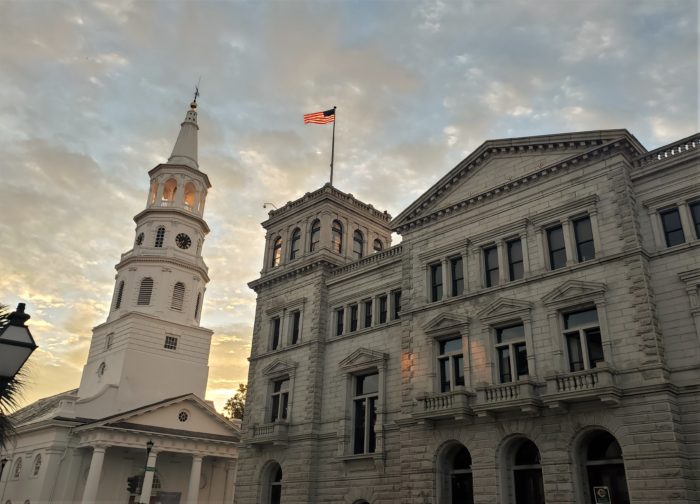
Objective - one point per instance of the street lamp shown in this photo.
(16, 345)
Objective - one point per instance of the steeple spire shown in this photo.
(185, 150)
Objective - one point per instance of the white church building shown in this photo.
(139, 413)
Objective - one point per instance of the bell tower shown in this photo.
(152, 347)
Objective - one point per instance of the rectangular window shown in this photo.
(491, 265)
(583, 339)
(296, 321)
(339, 316)
(383, 301)
(170, 343)
(280, 400)
(557, 249)
(451, 364)
(695, 215)
(353, 317)
(585, 251)
(397, 305)
(673, 229)
(515, 259)
(109, 340)
(457, 276)
(435, 282)
(275, 336)
(512, 353)
(368, 313)
(365, 413)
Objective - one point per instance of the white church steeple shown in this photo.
(152, 347)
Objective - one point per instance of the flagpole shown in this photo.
(333, 145)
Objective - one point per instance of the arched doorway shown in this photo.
(527, 473)
(604, 467)
(455, 484)
(272, 484)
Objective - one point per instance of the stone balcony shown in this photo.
(271, 433)
(448, 405)
(592, 384)
(517, 396)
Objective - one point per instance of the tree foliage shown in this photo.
(235, 406)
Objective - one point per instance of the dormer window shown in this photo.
(315, 235)
(294, 244)
(337, 237)
(277, 252)
(358, 244)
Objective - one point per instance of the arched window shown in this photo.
(145, 291)
(190, 192)
(272, 484)
(604, 466)
(37, 465)
(315, 236)
(455, 475)
(527, 473)
(294, 244)
(18, 468)
(178, 296)
(358, 244)
(169, 190)
(154, 192)
(378, 246)
(337, 237)
(277, 252)
(120, 294)
(196, 306)
(160, 236)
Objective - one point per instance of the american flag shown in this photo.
(325, 117)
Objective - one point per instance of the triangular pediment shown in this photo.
(574, 290)
(183, 413)
(363, 358)
(279, 367)
(504, 308)
(497, 162)
(445, 322)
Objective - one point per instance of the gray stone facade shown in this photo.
(486, 382)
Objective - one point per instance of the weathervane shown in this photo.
(196, 93)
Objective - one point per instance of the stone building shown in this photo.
(534, 337)
(145, 377)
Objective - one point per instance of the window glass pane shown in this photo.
(573, 344)
(557, 251)
(382, 309)
(315, 235)
(457, 272)
(595, 347)
(353, 318)
(368, 313)
(695, 213)
(275, 332)
(372, 420)
(276, 494)
(673, 229)
(584, 239)
(397, 304)
(527, 454)
(275, 407)
(515, 259)
(520, 359)
(359, 444)
(579, 318)
(285, 405)
(358, 244)
(453, 345)
(339, 314)
(337, 237)
(444, 375)
(504, 365)
(367, 384)
(458, 364)
(491, 266)
(295, 327)
(436, 282)
(513, 333)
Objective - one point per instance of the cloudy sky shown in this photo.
(92, 95)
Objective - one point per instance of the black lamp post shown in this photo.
(16, 345)
(149, 447)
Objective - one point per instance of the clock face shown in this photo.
(183, 241)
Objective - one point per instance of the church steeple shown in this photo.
(152, 347)
(185, 150)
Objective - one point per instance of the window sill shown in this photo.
(377, 460)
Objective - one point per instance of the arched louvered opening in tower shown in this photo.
(178, 296)
(190, 193)
(160, 237)
(120, 294)
(145, 291)
(196, 306)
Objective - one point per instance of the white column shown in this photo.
(230, 488)
(195, 474)
(148, 478)
(93, 479)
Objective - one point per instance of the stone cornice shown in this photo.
(141, 259)
(413, 217)
(328, 192)
(173, 210)
(154, 318)
(314, 263)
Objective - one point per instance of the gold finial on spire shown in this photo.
(193, 105)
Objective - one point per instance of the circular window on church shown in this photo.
(139, 239)
(101, 369)
(183, 416)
